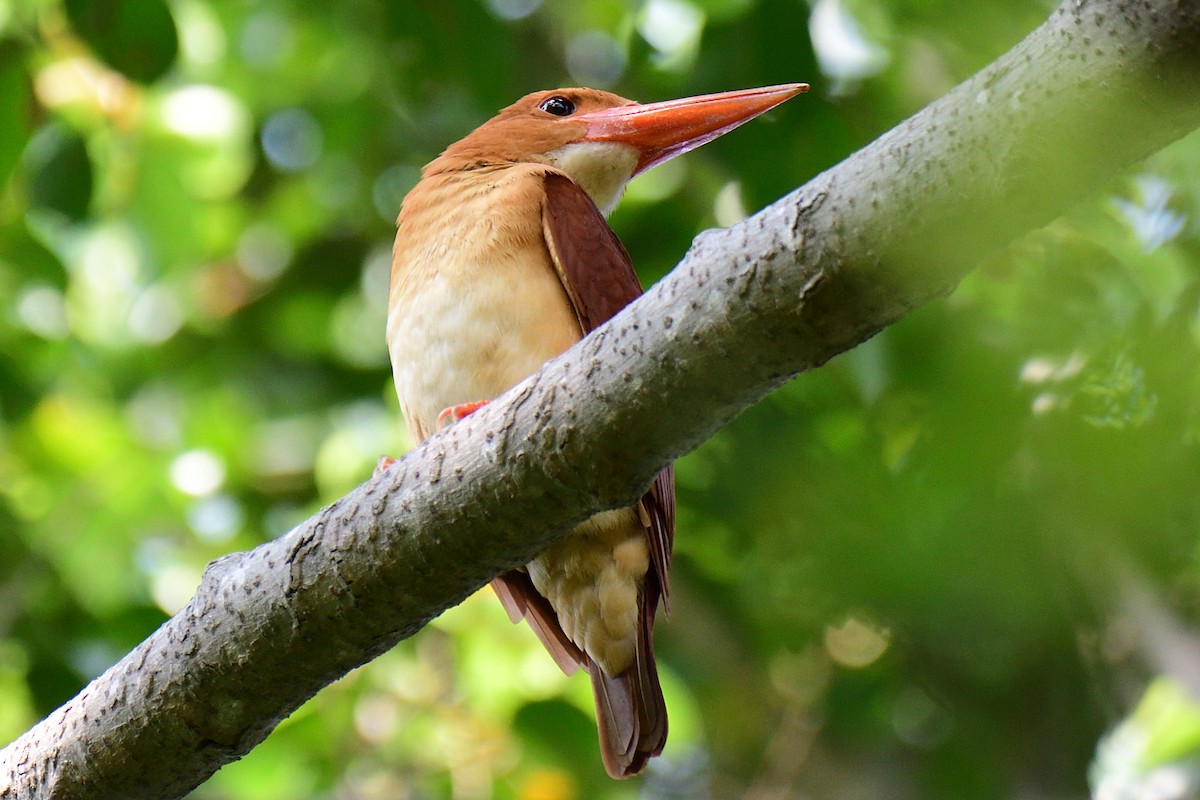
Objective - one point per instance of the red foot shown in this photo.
(382, 465)
(455, 413)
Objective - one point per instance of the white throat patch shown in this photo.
(601, 168)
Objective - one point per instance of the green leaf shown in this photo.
(1170, 718)
(60, 172)
(135, 37)
(14, 108)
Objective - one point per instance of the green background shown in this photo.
(926, 570)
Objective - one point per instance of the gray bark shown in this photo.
(1102, 84)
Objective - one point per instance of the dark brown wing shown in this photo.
(523, 602)
(591, 261)
(598, 276)
(659, 506)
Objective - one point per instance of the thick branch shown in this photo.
(1099, 86)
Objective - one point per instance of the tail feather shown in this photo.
(630, 711)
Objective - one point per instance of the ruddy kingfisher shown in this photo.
(503, 259)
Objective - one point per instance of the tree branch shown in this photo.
(1100, 85)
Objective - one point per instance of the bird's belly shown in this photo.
(593, 579)
(473, 332)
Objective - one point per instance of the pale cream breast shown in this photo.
(476, 303)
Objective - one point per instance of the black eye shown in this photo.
(558, 106)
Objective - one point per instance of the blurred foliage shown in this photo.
(1154, 753)
(903, 575)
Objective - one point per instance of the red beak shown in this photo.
(660, 131)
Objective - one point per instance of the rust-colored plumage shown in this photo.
(503, 260)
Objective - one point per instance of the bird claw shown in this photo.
(455, 413)
(382, 465)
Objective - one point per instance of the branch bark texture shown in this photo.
(1101, 85)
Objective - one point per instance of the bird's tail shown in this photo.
(630, 712)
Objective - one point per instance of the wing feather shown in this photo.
(598, 277)
(523, 602)
(590, 260)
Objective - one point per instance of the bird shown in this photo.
(503, 259)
